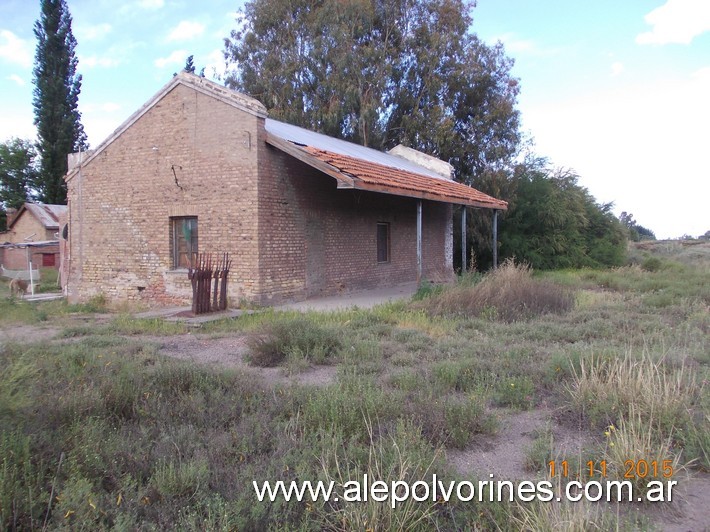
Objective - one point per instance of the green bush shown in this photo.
(298, 337)
(427, 289)
(516, 392)
(652, 264)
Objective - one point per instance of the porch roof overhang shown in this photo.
(360, 168)
(30, 244)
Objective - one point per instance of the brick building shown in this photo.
(202, 168)
(33, 222)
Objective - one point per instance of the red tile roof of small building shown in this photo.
(380, 178)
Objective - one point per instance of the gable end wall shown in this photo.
(188, 155)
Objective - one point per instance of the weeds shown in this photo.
(17, 371)
(153, 443)
(297, 338)
(22, 498)
(508, 294)
(566, 516)
(398, 459)
(605, 389)
(636, 451)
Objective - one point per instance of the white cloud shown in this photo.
(93, 61)
(110, 107)
(92, 33)
(17, 79)
(186, 30)
(215, 67)
(676, 21)
(641, 146)
(151, 4)
(15, 50)
(176, 58)
(17, 121)
(516, 45)
(617, 68)
(702, 75)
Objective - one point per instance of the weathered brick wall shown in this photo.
(291, 234)
(16, 259)
(318, 240)
(25, 226)
(188, 155)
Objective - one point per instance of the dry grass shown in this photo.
(508, 294)
(635, 452)
(152, 443)
(564, 516)
(604, 389)
(387, 461)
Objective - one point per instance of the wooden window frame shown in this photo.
(182, 254)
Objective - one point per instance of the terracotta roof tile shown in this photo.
(369, 175)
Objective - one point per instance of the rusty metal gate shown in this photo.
(206, 295)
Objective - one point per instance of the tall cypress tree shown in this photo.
(56, 99)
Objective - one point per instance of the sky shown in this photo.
(618, 91)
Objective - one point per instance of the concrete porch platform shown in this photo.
(360, 299)
(44, 296)
(179, 314)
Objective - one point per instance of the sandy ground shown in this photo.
(229, 352)
(360, 299)
(27, 333)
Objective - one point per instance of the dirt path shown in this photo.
(229, 352)
(690, 510)
(504, 454)
(27, 333)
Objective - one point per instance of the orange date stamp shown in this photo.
(633, 469)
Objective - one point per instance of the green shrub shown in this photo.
(340, 408)
(298, 337)
(516, 392)
(427, 289)
(652, 264)
(450, 420)
(180, 479)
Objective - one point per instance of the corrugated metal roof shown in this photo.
(48, 215)
(356, 166)
(304, 137)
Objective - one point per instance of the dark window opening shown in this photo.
(183, 241)
(48, 260)
(383, 242)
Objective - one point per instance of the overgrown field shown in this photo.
(100, 430)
